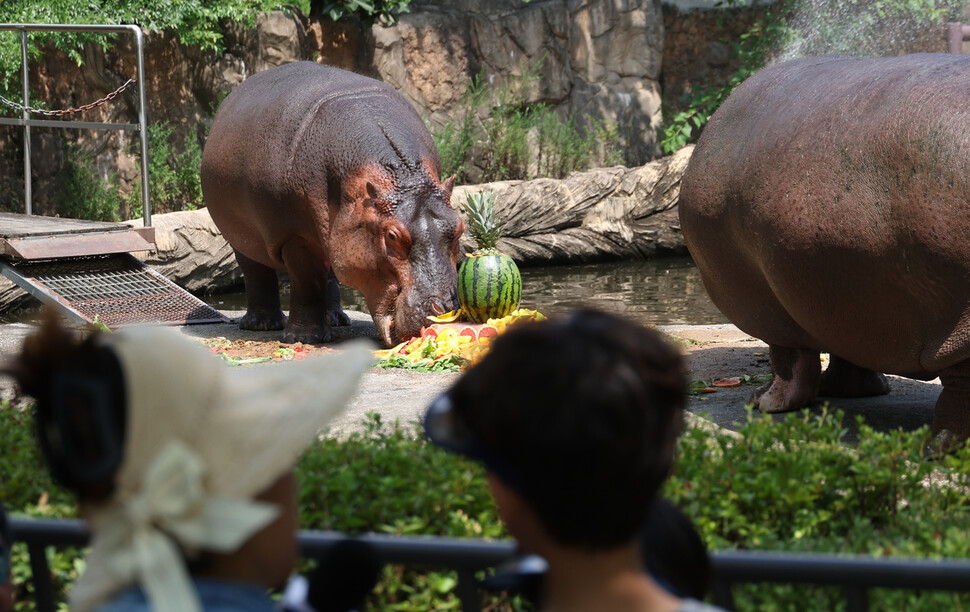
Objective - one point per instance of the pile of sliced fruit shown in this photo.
(448, 344)
(700, 387)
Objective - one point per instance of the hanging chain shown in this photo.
(69, 111)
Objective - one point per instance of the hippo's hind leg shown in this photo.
(263, 310)
(951, 418)
(309, 273)
(795, 381)
(335, 314)
(844, 379)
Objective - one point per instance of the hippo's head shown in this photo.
(398, 245)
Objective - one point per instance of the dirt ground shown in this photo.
(713, 352)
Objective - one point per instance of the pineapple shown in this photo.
(484, 227)
(489, 283)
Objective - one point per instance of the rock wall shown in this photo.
(698, 50)
(600, 60)
(698, 44)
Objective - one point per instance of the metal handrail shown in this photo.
(26, 122)
(956, 33)
(854, 573)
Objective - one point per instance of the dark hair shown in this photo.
(79, 389)
(674, 553)
(584, 412)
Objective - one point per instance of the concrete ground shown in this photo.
(713, 352)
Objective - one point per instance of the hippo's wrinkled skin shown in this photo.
(827, 205)
(312, 169)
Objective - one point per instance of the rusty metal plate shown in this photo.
(76, 245)
(115, 290)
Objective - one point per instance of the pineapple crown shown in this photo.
(485, 228)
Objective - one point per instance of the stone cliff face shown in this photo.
(600, 60)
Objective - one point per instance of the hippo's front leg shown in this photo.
(795, 381)
(263, 310)
(335, 314)
(308, 294)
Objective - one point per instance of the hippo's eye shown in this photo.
(397, 242)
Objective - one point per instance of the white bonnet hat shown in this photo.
(202, 439)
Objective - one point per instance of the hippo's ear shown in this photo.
(448, 185)
(376, 198)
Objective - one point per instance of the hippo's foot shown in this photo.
(844, 379)
(336, 317)
(307, 334)
(951, 417)
(257, 320)
(795, 381)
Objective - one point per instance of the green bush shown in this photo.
(85, 194)
(175, 180)
(796, 486)
(368, 11)
(790, 485)
(508, 137)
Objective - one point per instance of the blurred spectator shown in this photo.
(576, 421)
(183, 467)
(674, 553)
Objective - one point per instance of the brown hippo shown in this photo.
(827, 205)
(325, 173)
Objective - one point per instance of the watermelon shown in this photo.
(489, 286)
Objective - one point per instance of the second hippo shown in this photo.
(325, 173)
(827, 205)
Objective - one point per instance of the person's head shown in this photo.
(180, 463)
(577, 416)
(673, 551)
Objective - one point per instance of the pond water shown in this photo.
(664, 291)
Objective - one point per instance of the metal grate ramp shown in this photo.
(113, 289)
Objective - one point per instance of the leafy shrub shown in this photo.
(368, 11)
(85, 194)
(787, 485)
(387, 479)
(507, 137)
(175, 182)
(794, 485)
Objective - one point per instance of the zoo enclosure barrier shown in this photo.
(855, 575)
(26, 122)
(956, 33)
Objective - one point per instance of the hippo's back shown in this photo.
(305, 113)
(826, 205)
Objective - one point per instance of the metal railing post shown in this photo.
(40, 573)
(956, 33)
(467, 590)
(28, 191)
(26, 122)
(143, 125)
(856, 599)
(723, 596)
